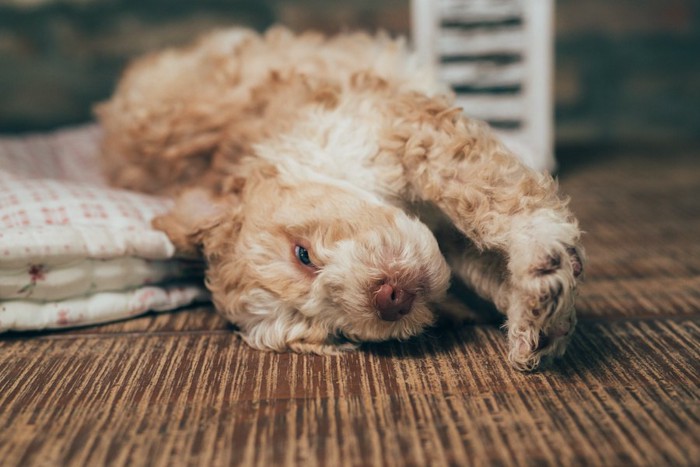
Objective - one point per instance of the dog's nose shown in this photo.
(392, 302)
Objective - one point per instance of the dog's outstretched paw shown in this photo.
(541, 314)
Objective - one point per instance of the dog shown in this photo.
(333, 188)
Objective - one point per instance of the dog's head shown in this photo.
(303, 262)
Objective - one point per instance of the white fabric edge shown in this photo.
(97, 308)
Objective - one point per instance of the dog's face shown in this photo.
(304, 262)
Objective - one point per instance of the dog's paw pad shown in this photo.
(553, 263)
(576, 262)
(549, 266)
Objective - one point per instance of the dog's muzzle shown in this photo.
(392, 303)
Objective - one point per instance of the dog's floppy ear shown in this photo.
(196, 214)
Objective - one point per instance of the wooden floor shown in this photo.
(181, 389)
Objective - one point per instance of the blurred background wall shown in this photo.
(626, 70)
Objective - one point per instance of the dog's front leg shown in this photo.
(502, 206)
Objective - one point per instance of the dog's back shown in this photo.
(185, 117)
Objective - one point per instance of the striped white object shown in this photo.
(497, 56)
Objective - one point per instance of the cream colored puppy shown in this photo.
(314, 175)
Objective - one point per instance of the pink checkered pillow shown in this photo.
(74, 251)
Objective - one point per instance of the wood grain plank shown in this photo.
(645, 297)
(627, 392)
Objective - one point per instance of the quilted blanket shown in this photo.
(74, 251)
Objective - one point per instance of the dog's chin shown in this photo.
(373, 329)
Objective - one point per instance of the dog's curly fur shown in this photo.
(283, 144)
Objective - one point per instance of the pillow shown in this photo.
(74, 251)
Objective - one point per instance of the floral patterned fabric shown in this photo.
(72, 250)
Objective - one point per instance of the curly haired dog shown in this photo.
(301, 167)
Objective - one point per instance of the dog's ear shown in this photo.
(195, 217)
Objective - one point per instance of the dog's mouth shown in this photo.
(373, 327)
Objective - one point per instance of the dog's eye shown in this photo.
(303, 256)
